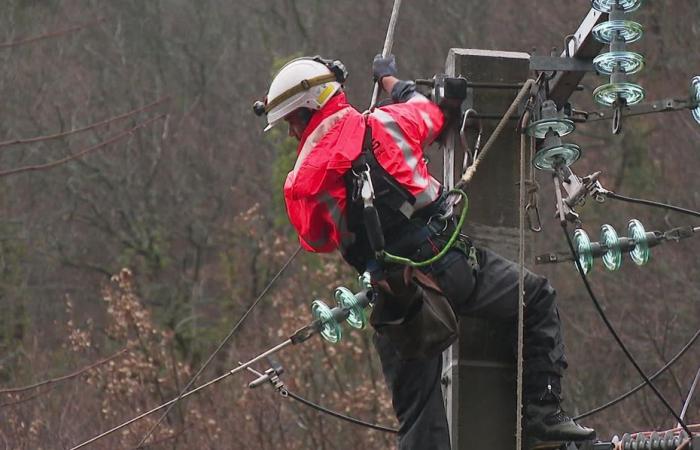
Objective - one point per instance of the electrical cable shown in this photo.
(149, 412)
(640, 201)
(280, 387)
(340, 415)
(233, 371)
(220, 346)
(632, 391)
(610, 327)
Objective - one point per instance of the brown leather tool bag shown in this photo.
(414, 314)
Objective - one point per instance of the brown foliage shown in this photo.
(188, 208)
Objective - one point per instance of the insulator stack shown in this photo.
(349, 308)
(611, 246)
(650, 441)
(551, 126)
(695, 98)
(618, 63)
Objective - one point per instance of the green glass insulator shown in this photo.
(640, 253)
(540, 128)
(582, 243)
(612, 258)
(695, 97)
(628, 62)
(556, 155)
(331, 329)
(607, 94)
(626, 30)
(606, 6)
(346, 299)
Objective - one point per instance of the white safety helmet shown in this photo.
(301, 83)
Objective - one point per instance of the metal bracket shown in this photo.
(560, 64)
(553, 258)
(665, 105)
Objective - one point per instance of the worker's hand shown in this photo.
(383, 67)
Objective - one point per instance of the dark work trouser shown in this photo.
(491, 292)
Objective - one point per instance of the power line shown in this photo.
(610, 327)
(221, 346)
(273, 377)
(672, 361)
(641, 201)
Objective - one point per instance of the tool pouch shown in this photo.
(414, 314)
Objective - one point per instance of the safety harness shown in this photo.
(373, 193)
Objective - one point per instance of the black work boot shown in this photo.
(545, 421)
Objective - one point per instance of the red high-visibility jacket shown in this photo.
(315, 192)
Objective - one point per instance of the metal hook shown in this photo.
(529, 208)
(567, 39)
(468, 154)
(617, 117)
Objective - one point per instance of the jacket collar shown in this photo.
(335, 104)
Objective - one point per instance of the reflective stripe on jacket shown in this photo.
(315, 192)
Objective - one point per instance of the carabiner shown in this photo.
(529, 214)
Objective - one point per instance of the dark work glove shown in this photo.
(383, 67)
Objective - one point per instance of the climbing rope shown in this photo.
(521, 282)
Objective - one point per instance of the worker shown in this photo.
(342, 154)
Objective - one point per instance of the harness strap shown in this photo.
(388, 191)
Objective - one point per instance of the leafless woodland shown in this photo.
(140, 214)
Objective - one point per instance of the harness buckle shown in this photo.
(366, 187)
(438, 218)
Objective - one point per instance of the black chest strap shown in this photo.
(388, 193)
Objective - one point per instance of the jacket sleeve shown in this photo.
(420, 119)
(403, 91)
(316, 206)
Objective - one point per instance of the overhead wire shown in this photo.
(285, 392)
(611, 328)
(221, 345)
(632, 391)
(341, 416)
(388, 43)
(270, 351)
(640, 201)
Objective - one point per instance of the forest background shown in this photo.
(185, 197)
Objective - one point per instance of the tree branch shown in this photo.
(82, 152)
(86, 128)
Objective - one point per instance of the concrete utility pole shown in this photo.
(479, 370)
